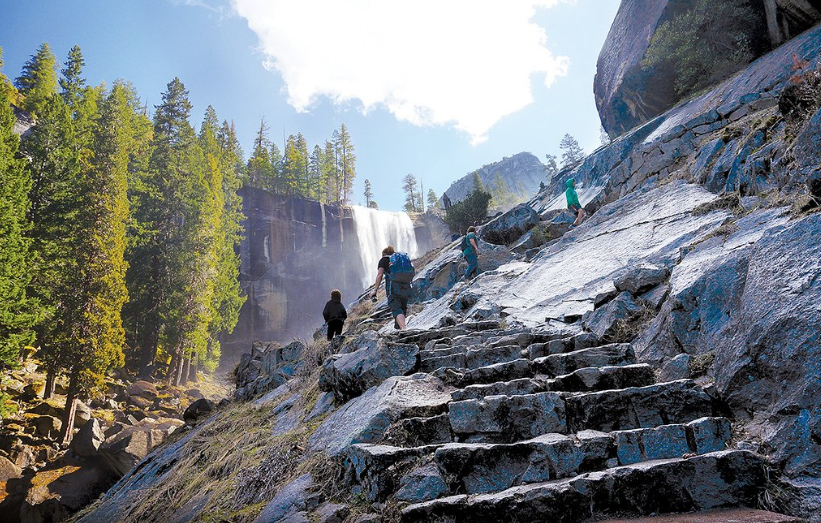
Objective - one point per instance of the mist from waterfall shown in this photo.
(378, 229)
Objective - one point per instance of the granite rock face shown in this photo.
(627, 95)
(521, 173)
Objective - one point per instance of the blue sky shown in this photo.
(436, 88)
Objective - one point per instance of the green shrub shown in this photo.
(706, 43)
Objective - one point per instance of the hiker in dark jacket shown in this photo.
(398, 293)
(335, 314)
(573, 201)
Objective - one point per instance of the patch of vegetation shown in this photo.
(730, 202)
(701, 364)
(540, 235)
(706, 43)
(801, 98)
(8, 407)
(625, 330)
(470, 211)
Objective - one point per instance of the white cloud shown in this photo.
(465, 63)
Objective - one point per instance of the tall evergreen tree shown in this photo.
(100, 292)
(433, 200)
(368, 194)
(38, 82)
(572, 152)
(551, 168)
(259, 170)
(346, 162)
(18, 311)
(411, 193)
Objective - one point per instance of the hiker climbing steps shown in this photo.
(544, 426)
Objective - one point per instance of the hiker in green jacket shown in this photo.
(470, 250)
(573, 201)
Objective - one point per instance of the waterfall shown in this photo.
(378, 229)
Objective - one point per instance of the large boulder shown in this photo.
(56, 493)
(349, 375)
(365, 419)
(628, 95)
(88, 439)
(510, 226)
(126, 448)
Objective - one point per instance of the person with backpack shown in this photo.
(573, 201)
(335, 314)
(470, 250)
(397, 270)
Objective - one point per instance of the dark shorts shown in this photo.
(398, 298)
(335, 328)
(575, 207)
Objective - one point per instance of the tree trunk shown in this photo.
(51, 382)
(192, 373)
(67, 430)
(771, 11)
(186, 368)
(171, 373)
(148, 350)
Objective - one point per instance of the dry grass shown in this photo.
(625, 330)
(730, 202)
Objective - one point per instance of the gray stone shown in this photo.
(288, 501)
(366, 418)
(710, 434)
(349, 375)
(509, 417)
(422, 484)
(8, 470)
(559, 364)
(638, 407)
(677, 368)
(88, 440)
(641, 278)
(122, 451)
(330, 513)
(604, 321)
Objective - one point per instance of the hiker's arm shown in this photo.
(379, 274)
(473, 242)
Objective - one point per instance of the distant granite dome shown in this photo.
(628, 96)
(521, 172)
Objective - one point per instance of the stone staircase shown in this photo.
(550, 428)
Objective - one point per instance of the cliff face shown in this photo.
(290, 262)
(627, 96)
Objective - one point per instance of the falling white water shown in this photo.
(378, 229)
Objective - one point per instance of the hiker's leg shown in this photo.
(400, 320)
(473, 264)
(330, 331)
(579, 217)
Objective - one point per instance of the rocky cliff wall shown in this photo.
(627, 95)
(522, 173)
(290, 262)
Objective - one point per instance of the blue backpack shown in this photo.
(402, 270)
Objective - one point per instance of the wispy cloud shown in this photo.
(221, 10)
(465, 63)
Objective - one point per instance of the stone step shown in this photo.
(506, 371)
(378, 468)
(591, 379)
(736, 515)
(565, 363)
(584, 340)
(475, 468)
(505, 419)
(723, 479)
(415, 432)
(583, 380)
(516, 387)
(469, 357)
(637, 407)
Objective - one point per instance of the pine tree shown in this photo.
(346, 163)
(259, 170)
(315, 181)
(330, 173)
(368, 194)
(411, 193)
(573, 153)
(100, 291)
(551, 168)
(38, 82)
(18, 311)
(433, 200)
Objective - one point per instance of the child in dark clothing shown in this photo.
(335, 314)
